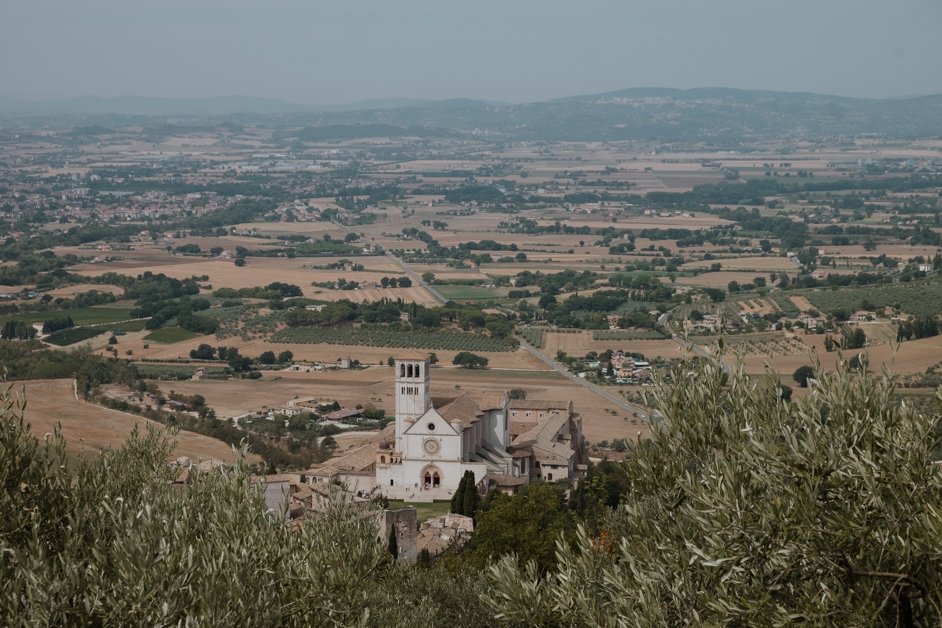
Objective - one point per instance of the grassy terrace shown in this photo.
(423, 510)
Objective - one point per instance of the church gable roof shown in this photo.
(492, 401)
(543, 430)
(464, 409)
(434, 417)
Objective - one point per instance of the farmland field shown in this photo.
(169, 335)
(74, 334)
(748, 263)
(453, 341)
(626, 334)
(919, 298)
(722, 278)
(470, 292)
(533, 335)
(89, 428)
(582, 342)
(174, 371)
(80, 316)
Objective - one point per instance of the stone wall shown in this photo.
(404, 522)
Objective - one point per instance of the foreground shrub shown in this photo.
(746, 509)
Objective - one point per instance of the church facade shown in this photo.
(437, 440)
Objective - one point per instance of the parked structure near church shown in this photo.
(434, 441)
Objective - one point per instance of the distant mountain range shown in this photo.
(148, 106)
(704, 114)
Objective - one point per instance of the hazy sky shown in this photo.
(326, 51)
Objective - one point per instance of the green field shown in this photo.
(169, 335)
(131, 325)
(785, 304)
(470, 293)
(75, 334)
(174, 371)
(80, 316)
(445, 340)
(423, 510)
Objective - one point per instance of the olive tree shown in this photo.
(110, 540)
(746, 509)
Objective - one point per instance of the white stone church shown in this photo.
(434, 446)
(434, 441)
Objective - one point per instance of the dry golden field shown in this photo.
(580, 343)
(910, 357)
(261, 271)
(89, 428)
(74, 289)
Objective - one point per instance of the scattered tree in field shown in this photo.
(203, 352)
(921, 327)
(854, 339)
(468, 360)
(802, 374)
(267, 357)
(240, 261)
(285, 356)
(716, 294)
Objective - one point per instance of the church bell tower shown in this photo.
(413, 396)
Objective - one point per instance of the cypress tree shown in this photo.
(457, 500)
(470, 496)
(393, 544)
